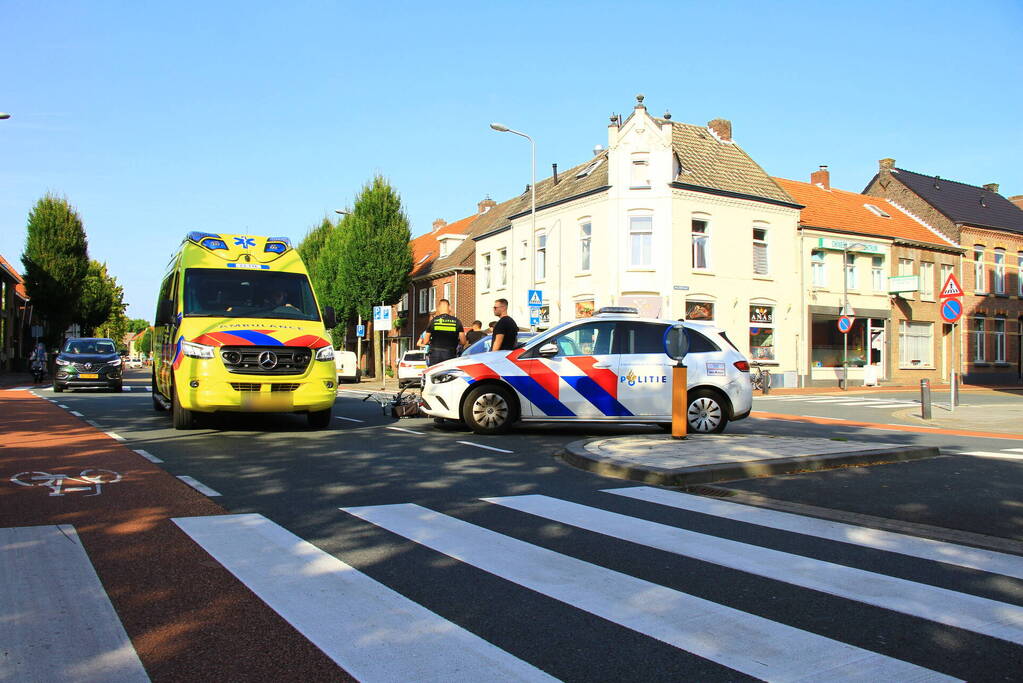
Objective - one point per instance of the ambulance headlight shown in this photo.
(447, 375)
(193, 350)
(326, 353)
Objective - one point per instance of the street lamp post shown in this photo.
(845, 309)
(501, 128)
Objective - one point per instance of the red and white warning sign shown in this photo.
(951, 287)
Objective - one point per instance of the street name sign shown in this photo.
(951, 287)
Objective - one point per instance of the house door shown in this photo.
(877, 346)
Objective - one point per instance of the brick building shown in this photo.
(15, 341)
(990, 229)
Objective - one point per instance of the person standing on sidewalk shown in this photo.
(444, 334)
(476, 333)
(506, 332)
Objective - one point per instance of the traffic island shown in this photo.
(702, 459)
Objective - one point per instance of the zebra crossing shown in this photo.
(865, 402)
(855, 603)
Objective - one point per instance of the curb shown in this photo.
(576, 454)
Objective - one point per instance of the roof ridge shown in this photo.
(924, 223)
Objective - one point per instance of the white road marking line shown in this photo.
(941, 605)
(896, 405)
(61, 405)
(857, 403)
(60, 606)
(1013, 450)
(76, 413)
(147, 455)
(349, 419)
(991, 454)
(889, 541)
(198, 486)
(402, 429)
(51, 400)
(383, 636)
(93, 423)
(116, 436)
(489, 448)
(728, 636)
(20, 388)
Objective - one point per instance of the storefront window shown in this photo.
(826, 343)
(761, 332)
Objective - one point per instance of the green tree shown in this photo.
(312, 245)
(145, 345)
(56, 261)
(101, 298)
(136, 325)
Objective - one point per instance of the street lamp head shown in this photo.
(4, 115)
(500, 127)
(343, 212)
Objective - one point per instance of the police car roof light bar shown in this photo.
(617, 310)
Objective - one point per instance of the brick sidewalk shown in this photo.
(188, 617)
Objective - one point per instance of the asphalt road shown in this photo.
(584, 605)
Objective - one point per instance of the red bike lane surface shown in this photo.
(188, 617)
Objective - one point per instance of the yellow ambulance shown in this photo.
(238, 329)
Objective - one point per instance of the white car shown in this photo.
(133, 363)
(608, 368)
(411, 368)
(347, 366)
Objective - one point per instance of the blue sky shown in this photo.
(156, 119)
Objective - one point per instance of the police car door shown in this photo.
(582, 358)
(644, 370)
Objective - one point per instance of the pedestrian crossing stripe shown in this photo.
(739, 640)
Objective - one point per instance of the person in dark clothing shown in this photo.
(444, 334)
(506, 332)
(476, 333)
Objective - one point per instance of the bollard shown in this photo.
(767, 381)
(679, 401)
(925, 399)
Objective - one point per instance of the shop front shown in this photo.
(863, 349)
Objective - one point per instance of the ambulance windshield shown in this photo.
(222, 293)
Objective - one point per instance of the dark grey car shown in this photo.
(88, 363)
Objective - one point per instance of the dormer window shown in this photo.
(425, 258)
(877, 211)
(590, 169)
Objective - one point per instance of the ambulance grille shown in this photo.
(239, 386)
(279, 360)
(283, 387)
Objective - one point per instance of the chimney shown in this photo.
(639, 102)
(555, 167)
(438, 224)
(486, 205)
(821, 177)
(1017, 200)
(886, 165)
(722, 128)
(992, 187)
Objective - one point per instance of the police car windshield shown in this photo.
(222, 293)
(546, 334)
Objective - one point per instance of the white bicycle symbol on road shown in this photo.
(59, 484)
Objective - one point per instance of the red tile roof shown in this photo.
(19, 287)
(426, 248)
(842, 210)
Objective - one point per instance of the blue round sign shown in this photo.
(676, 341)
(951, 310)
(845, 324)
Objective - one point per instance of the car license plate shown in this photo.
(89, 375)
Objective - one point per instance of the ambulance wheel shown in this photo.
(320, 419)
(489, 410)
(181, 417)
(707, 413)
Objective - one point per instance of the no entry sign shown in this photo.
(951, 310)
(845, 324)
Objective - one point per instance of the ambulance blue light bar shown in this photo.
(277, 245)
(208, 239)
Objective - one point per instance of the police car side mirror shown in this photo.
(550, 349)
(165, 312)
(329, 319)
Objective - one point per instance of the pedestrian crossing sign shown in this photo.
(535, 298)
(951, 287)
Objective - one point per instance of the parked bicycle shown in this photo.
(760, 377)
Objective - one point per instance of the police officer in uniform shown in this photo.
(444, 334)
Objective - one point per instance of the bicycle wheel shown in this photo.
(100, 476)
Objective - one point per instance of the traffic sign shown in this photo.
(534, 316)
(535, 298)
(360, 330)
(845, 324)
(951, 287)
(951, 309)
(381, 318)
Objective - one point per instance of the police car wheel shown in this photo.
(489, 410)
(706, 413)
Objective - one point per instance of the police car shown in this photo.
(608, 368)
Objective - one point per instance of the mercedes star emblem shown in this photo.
(268, 360)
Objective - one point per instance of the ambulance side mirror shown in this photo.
(329, 318)
(548, 350)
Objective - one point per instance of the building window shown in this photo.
(641, 235)
(403, 306)
(850, 271)
(424, 300)
(761, 332)
(433, 298)
(820, 277)
(585, 234)
(999, 335)
(978, 269)
(502, 267)
(915, 344)
(701, 244)
(443, 248)
(946, 270)
(486, 272)
(640, 178)
(978, 340)
(699, 310)
(759, 251)
(447, 291)
(541, 256)
(999, 272)
(877, 273)
(926, 280)
(905, 267)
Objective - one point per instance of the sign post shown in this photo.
(845, 323)
(951, 306)
(676, 345)
(382, 324)
(534, 300)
